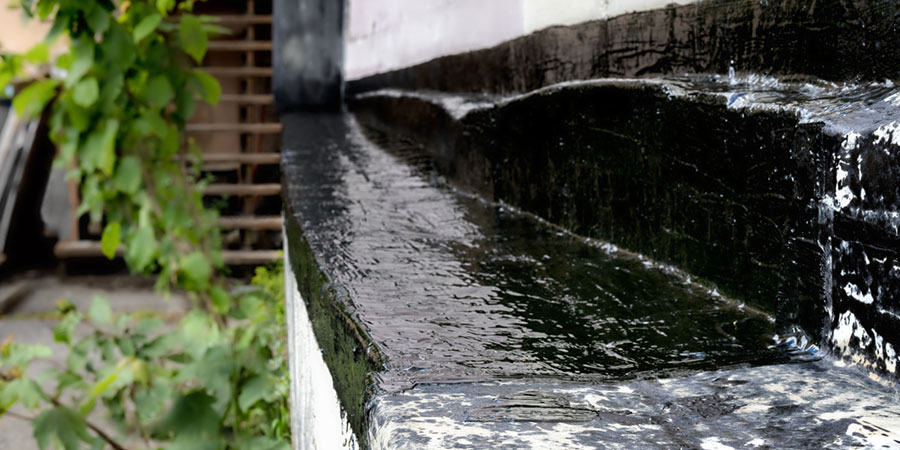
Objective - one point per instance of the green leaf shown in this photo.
(151, 402)
(126, 345)
(116, 377)
(97, 18)
(119, 50)
(30, 103)
(82, 60)
(100, 312)
(128, 175)
(192, 37)
(196, 268)
(141, 249)
(69, 379)
(213, 371)
(63, 331)
(21, 390)
(147, 325)
(38, 54)
(265, 443)
(78, 118)
(146, 26)
(77, 358)
(220, 299)
(211, 90)
(45, 8)
(86, 91)
(60, 424)
(164, 6)
(109, 241)
(199, 332)
(17, 355)
(99, 150)
(254, 390)
(191, 415)
(158, 91)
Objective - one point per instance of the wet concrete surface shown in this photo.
(782, 193)
(817, 405)
(418, 291)
(449, 286)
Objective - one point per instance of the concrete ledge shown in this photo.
(812, 406)
(752, 184)
(448, 320)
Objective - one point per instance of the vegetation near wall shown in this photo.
(117, 110)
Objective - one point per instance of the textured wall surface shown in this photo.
(389, 35)
(308, 54)
(831, 39)
(783, 195)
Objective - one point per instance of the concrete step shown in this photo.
(248, 99)
(244, 19)
(92, 249)
(564, 261)
(250, 128)
(243, 158)
(251, 222)
(262, 189)
(239, 46)
(238, 72)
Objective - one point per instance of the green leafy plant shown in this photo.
(195, 385)
(117, 113)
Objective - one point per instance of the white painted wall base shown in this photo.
(317, 419)
(385, 35)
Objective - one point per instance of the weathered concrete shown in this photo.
(125, 294)
(799, 406)
(308, 54)
(567, 267)
(318, 418)
(754, 184)
(418, 292)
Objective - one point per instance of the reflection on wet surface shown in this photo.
(600, 312)
(452, 288)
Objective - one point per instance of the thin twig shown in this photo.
(18, 416)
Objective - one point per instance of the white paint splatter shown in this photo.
(879, 345)
(840, 337)
(851, 141)
(890, 358)
(713, 443)
(888, 133)
(853, 291)
(893, 99)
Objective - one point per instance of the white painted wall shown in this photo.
(317, 419)
(17, 34)
(383, 35)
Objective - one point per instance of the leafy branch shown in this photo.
(118, 106)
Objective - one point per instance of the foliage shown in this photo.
(197, 385)
(216, 380)
(118, 117)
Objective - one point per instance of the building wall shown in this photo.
(391, 34)
(17, 34)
